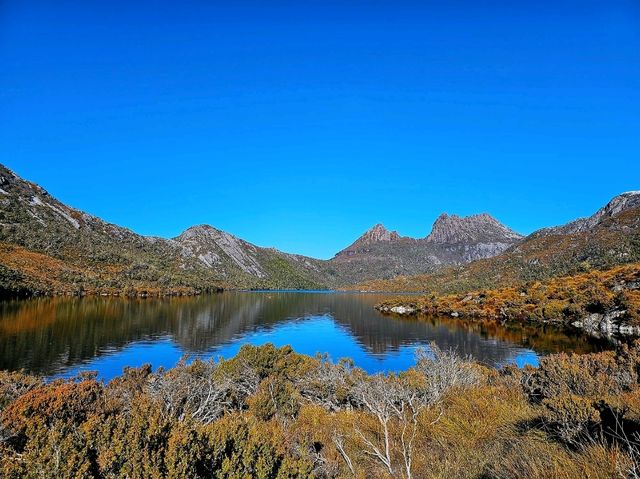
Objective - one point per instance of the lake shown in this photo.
(60, 337)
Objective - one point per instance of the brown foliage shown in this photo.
(282, 415)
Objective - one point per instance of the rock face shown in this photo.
(473, 229)
(211, 245)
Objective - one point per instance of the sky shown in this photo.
(299, 125)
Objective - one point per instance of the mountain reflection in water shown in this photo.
(60, 336)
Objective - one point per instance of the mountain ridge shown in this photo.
(453, 240)
(81, 253)
(608, 238)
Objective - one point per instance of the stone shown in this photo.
(402, 310)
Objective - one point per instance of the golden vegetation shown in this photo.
(560, 300)
(23, 271)
(271, 413)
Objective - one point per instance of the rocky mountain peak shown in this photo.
(454, 229)
(197, 231)
(379, 233)
(211, 246)
(376, 234)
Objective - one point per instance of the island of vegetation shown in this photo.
(599, 302)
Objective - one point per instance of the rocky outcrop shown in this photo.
(607, 324)
(374, 235)
(402, 310)
(453, 241)
(473, 229)
(210, 245)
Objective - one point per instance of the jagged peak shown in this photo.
(482, 227)
(378, 233)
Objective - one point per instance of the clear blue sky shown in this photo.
(301, 124)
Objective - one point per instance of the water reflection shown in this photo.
(60, 335)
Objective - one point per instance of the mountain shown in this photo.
(46, 246)
(241, 264)
(454, 240)
(49, 247)
(609, 237)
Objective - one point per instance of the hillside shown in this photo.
(241, 264)
(46, 247)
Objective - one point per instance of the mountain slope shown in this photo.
(608, 238)
(242, 264)
(84, 253)
(376, 234)
(48, 247)
(88, 253)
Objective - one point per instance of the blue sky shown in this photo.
(299, 125)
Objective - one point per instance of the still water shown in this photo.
(63, 336)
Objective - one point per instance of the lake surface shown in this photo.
(63, 336)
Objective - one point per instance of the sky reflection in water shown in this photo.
(61, 337)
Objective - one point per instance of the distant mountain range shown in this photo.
(49, 247)
(453, 240)
(609, 237)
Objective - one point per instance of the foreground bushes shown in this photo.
(271, 413)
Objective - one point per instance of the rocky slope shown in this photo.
(480, 228)
(375, 235)
(619, 204)
(46, 246)
(242, 264)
